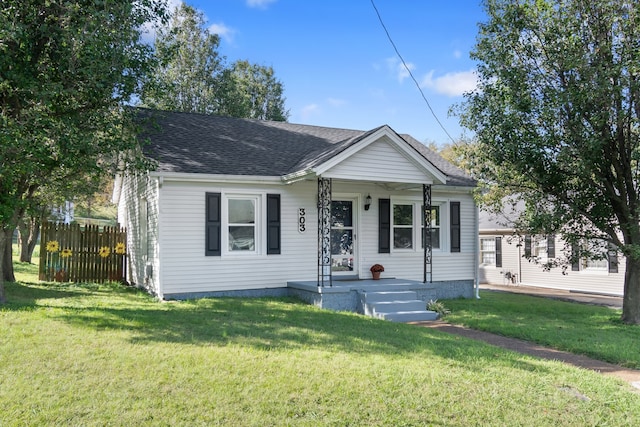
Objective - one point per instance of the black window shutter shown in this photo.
(527, 246)
(575, 265)
(551, 246)
(612, 256)
(213, 224)
(498, 251)
(384, 226)
(273, 224)
(455, 226)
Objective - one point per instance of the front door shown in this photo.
(343, 237)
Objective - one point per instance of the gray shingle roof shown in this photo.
(209, 144)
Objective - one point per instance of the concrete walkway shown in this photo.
(631, 376)
(559, 294)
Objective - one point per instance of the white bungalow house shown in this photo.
(504, 258)
(239, 207)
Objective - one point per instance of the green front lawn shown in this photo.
(578, 328)
(110, 355)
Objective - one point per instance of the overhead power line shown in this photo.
(404, 64)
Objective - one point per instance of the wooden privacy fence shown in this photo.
(72, 253)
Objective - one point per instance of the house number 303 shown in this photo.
(302, 220)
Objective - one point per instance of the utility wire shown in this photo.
(404, 64)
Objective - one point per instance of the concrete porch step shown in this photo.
(385, 296)
(409, 316)
(396, 306)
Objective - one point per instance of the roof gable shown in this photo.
(381, 156)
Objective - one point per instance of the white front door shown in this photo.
(343, 237)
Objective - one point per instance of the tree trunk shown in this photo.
(28, 237)
(3, 241)
(631, 299)
(7, 262)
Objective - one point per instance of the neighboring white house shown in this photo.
(246, 207)
(504, 259)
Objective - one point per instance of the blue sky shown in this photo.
(338, 67)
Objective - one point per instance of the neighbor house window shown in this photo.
(596, 264)
(403, 226)
(242, 224)
(488, 251)
(540, 247)
(609, 262)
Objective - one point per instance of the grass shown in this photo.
(593, 331)
(110, 355)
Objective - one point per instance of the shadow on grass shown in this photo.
(26, 295)
(262, 324)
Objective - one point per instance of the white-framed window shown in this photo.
(403, 226)
(242, 226)
(596, 265)
(435, 226)
(408, 226)
(488, 251)
(539, 247)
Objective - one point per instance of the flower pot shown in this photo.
(376, 275)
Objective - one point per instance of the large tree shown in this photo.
(192, 76)
(556, 117)
(188, 65)
(66, 70)
(251, 91)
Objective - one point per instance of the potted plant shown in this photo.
(376, 269)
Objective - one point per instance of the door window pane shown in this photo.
(342, 236)
(341, 214)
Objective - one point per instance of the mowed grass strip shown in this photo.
(111, 355)
(585, 329)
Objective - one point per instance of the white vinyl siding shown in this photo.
(138, 212)
(187, 269)
(378, 162)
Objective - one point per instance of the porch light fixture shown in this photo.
(367, 202)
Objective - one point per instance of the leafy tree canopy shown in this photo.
(192, 75)
(556, 117)
(66, 70)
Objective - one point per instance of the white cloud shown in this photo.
(261, 4)
(309, 110)
(451, 84)
(150, 29)
(223, 31)
(398, 69)
(335, 102)
(457, 54)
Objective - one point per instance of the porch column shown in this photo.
(426, 202)
(324, 232)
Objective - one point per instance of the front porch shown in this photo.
(350, 295)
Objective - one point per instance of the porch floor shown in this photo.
(351, 294)
(362, 285)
